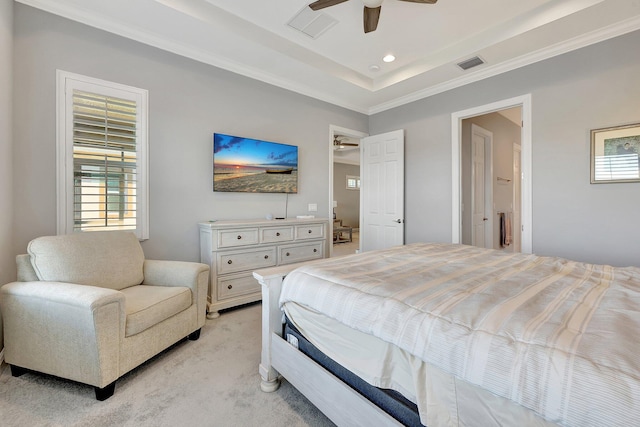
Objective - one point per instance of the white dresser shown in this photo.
(234, 249)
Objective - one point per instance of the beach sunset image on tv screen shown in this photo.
(254, 166)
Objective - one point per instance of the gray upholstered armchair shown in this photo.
(88, 307)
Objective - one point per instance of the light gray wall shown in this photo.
(348, 209)
(590, 88)
(189, 101)
(7, 261)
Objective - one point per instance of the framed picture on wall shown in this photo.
(614, 154)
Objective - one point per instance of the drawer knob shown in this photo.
(310, 231)
(315, 250)
(287, 254)
(229, 262)
(278, 234)
(239, 237)
(266, 257)
(230, 286)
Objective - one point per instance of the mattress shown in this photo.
(525, 328)
(451, 402)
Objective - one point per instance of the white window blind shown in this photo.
(617, 166)
(104, 162)
(102, 156)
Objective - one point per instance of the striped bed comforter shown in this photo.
(556, 336)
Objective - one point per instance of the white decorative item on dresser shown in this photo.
(235, 248)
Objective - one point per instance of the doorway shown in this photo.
(510, 183)
(344, 189)
(381, 194)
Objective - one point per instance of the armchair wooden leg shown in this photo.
(16, 371)
(106, 392)
(193, 336)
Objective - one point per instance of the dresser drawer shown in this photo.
(298, 253)
(311, 231)
(236, 285)
(239, 237)
(234, 249)
(275, 235)
(253, 259)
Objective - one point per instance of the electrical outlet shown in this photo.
(313, 207)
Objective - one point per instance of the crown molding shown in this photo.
(584, 40)
(145, 37)
(93, 20)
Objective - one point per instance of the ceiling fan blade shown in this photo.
(422, 1)
(371, 17)
(341, 143)
(321, 4)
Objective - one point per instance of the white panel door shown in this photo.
(382, 191)
(478, 218)
(516, 227)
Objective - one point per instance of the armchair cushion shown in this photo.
(149, 305)
(108, 259)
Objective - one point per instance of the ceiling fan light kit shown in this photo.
(372, 9)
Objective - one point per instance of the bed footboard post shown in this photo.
(271, 284)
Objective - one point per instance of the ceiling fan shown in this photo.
(371, 10)
(339, 144)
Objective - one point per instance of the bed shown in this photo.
(470, 336)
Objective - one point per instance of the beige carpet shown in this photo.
(209, 382)
(347, 248)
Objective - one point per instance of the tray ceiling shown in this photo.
(343, 65)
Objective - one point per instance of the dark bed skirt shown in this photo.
(390, 401)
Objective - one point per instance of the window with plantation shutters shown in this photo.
(102, 156)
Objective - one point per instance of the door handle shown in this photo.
(399, 221)
(485, 219)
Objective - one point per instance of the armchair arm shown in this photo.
(26, 273)
(181, 273)
(64, 329)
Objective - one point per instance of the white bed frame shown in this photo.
(339, 402)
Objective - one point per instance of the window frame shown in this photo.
(66, 82)
(354, 178)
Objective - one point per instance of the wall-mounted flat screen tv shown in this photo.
(253, 166)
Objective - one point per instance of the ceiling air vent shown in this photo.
(311, 23)
(470, 63)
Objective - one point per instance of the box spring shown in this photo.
(390, 401)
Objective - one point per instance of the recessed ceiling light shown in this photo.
(374, 68)
(389, 58)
